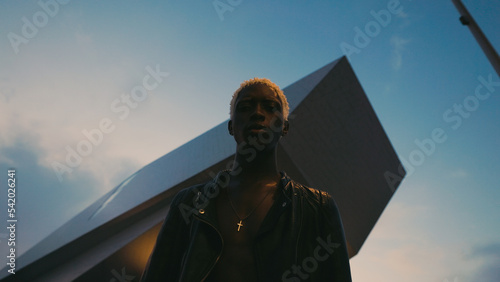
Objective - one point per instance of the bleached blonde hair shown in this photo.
(247, 83)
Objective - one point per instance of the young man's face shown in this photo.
(258, 117)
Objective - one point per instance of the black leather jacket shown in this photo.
(301, 238)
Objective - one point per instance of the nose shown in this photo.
(258, 112)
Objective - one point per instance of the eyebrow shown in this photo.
(248, 99)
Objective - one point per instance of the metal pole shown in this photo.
(468, 20)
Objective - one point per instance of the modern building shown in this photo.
(336, 143)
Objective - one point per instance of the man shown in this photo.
(252, 223)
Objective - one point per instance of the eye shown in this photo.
(243, 107)
(273, 107)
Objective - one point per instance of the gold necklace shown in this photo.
(240, 223)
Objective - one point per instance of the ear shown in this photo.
(230, 127)
(286, 127)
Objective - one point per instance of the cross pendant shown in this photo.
(239, 225)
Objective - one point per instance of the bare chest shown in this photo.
(238, 227)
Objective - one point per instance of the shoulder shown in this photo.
(187, 195)
(202, 193)
(315, 196)
(317, 201)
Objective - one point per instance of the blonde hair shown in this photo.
(247, 83)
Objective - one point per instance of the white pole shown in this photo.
(468, 20)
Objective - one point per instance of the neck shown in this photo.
(261, 168)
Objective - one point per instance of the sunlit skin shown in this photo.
(257, 117)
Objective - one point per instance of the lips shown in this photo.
(256, 127)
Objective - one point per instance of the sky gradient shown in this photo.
(68, 67)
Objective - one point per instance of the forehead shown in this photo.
(258, 92)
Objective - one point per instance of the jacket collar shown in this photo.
(205, 199)
(282, 202)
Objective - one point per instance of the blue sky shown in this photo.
(65, 75)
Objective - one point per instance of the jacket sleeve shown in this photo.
(165, 261)
(334, 237)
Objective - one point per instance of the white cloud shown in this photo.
(486, 258)
(83, 39)
(398, 45)
(458, 173)
(402, 15)
(401, 247)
